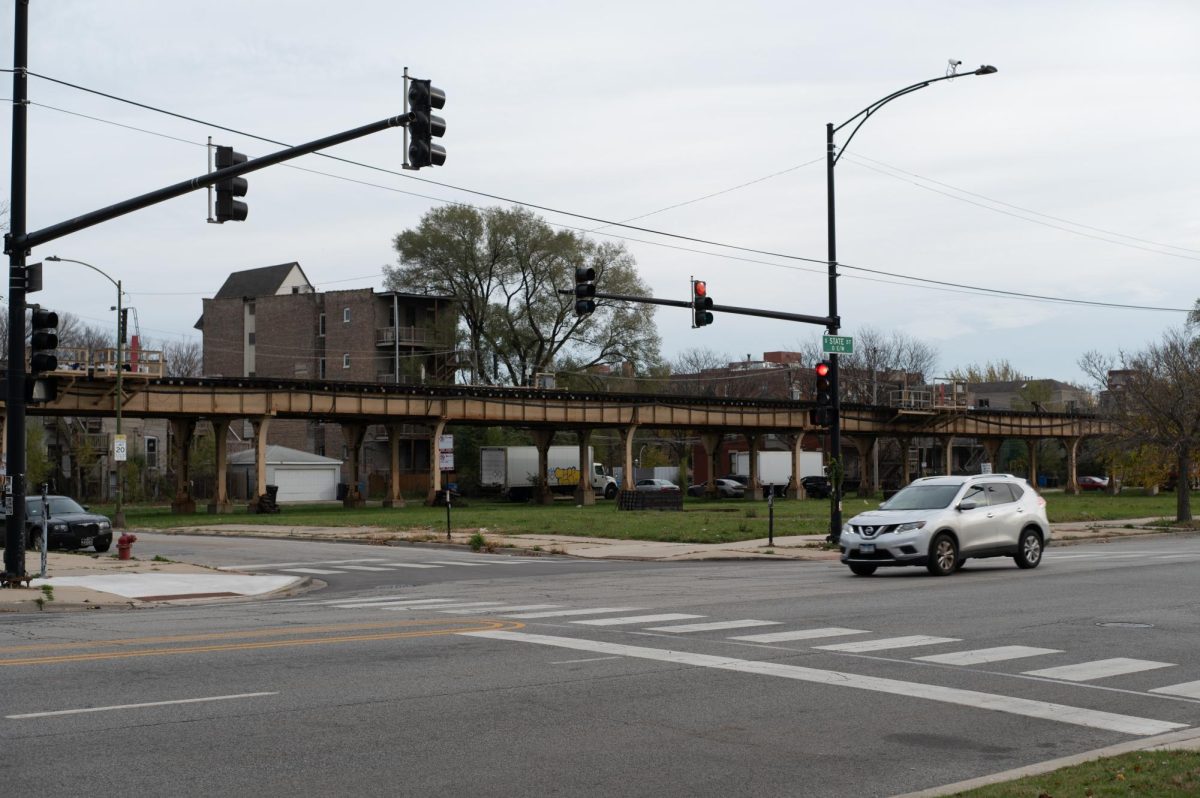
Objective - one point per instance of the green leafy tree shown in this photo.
(37, 465)
(505, 267)
(992, 371)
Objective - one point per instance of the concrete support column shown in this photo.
(181, 431)
(435, 471)
(353, 434)
(1031, 444)
(394, 499)
(864, 445)
(754, 489)
(261, 426)
(795, 490)
(712, 451)
(542, 438)
(948, 456)
(905, 444)
(583, 491)
(627, 456)
(992, 447)
(220, 503)
(1072, 447)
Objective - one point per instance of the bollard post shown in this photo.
(771, 516)
(447, 515)
(45, 526)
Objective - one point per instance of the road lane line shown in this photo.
(335, 602)
(318, 571)
(443, 606)
(136, 706)
(409, 565)
(712, 627)
(800, 634)
(982, 655)
(251, 566)
(362, 568)
(589, 659)
(1042, 710)
(630, 619)
(1187, 690)
(1099, 669)
(908, 641)
(423, 604)
(492, 610)
(564, 613)
(459, 562)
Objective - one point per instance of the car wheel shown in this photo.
(102, 547)
(610, 492)
(1029, 549)
(861, 569)
(943, 555)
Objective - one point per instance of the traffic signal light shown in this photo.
(123, 325)
(229, 209)
(585, 290)
(423, 97)
(824, 394)
(43, 341)
(701, 304)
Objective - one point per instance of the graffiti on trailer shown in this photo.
(565, 476)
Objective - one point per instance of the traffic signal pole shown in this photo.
(835, 413)
(676, 303)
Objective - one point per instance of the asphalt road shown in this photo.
(658, 682)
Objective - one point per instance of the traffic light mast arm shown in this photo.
(46, 234)
(823, 321)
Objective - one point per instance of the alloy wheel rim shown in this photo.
(1033, 549)
(945, 555)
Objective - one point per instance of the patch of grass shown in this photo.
(1148, 774)
(477, 542)
(46, 597)
(160, 558)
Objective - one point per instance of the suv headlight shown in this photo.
(911, 526)
(847, 529)
(58, 527)
(104, 525)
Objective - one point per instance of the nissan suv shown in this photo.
(939, 522)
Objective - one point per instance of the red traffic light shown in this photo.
(700, 288)
(823, 368)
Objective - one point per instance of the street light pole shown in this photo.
(832, 156)
(119, 513)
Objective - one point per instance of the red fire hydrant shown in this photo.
(125, 545)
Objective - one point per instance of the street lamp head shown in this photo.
(54, 258)
(986, 69)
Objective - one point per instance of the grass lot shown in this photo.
(702, 520)
(1148, 774)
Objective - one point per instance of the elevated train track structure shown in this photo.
(544, 412)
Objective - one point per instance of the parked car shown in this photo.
(656, 486)
(726, 489)
(1093, 483)
(741, 479)
(816, 487)
(70, 526)
(939, 522)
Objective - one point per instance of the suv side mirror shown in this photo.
(968, 505)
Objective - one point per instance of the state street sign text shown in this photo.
(837, 344)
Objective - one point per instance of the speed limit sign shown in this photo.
(120, 448)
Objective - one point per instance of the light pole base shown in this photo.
(118, 520)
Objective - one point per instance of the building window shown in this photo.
(250, 338)
(321, 326)
(321, 368)
(321, 449)
(345, 315)
(250, 308)
(151, 452)
(345, 452)
(985, 403)
(346, 360)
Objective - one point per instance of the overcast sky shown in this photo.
(1071, 173)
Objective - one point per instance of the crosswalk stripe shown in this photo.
(526, 616)
(409, 565)
(667, 616)
(908, 641)
(1187, 690)
(1042, 710)
(379, 603)
(982, 655)
(459, 562)
(1099, 669)
(800, 634)
(712, 627)
(332, 602)
(503, 609)
(446, 606)
(320, 571)
(362, 568)
(252, 566)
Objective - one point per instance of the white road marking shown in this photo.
(1187, 690)
(981, 655)
(1099, 669)
(1126, 724)
(503, 609)
(712, 627)
(320, 571)
(360, 599)
(409, 565)
(136, 706)
(444, 606)
(589, 659)
(424, 604)
(252, 566)
(459, 562)
(563, 613)
(362, 568)
(628, 619)
(908, 641)
(800, 634)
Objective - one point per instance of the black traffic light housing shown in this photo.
(423, 97)
(823, 415)
(228, 208)
(701, 304)
(44, 340)
(585, 290)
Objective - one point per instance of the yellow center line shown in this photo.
(460, 627)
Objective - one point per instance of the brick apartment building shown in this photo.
(271, 322)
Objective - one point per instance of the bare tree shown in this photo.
(183, 358)
(880, 362)
(1153, 398)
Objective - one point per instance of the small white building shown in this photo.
(301, 476)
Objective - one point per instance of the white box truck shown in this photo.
(775, 468)
(513, 471)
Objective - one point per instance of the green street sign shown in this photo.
(837, 344)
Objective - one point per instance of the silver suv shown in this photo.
(939, 522)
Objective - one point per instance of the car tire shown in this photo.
(1029, 549)
(862, 569)
(610, 492)
(943, 555)
(102, 547)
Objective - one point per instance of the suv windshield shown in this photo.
(922, 497)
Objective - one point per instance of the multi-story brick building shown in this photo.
(271, 322)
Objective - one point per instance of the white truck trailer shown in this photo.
(775, 468)
(513, 471)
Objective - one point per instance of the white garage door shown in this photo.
(305, 484)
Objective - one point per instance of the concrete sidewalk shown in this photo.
(82, 580)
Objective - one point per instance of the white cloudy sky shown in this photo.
(1087, 135)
